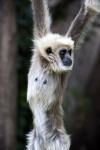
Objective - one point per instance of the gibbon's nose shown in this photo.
(67, 61)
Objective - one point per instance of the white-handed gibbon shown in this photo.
(51, 63)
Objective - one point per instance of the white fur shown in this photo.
(37, 92)
(53, 40)
(93, 4)
(30, 139)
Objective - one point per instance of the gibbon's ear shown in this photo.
(88, 11)
(42, 18)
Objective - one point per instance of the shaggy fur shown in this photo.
(42, 18)
(49, 73)
(84, 18)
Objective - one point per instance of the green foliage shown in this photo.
(24, 27)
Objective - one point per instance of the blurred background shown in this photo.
(82, 95)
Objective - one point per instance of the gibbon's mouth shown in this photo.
(67, 62)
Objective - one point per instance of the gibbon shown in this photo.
(51, 64)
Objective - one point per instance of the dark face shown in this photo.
(65, 56)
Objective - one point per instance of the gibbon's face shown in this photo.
(57, 50)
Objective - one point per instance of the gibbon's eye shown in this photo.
(62, 53)
(70, 52)
(49, 50)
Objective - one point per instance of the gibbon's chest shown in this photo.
(43, 86)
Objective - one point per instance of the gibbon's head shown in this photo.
(57, 51)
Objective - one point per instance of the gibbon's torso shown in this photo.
(46, 86)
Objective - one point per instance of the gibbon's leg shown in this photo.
(60, 141)
(35, 141)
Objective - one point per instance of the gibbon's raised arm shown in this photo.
(89, 9)
(41, 18)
